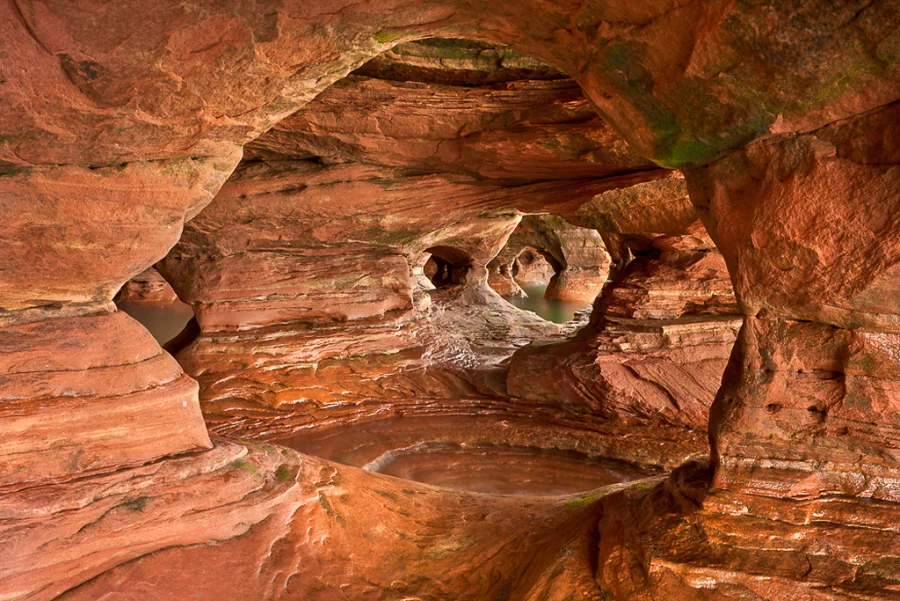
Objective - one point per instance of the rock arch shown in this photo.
(115, 131)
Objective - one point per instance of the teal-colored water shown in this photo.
(552, 310)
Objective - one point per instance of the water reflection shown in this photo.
(556, 311)
(164, 321)
(486, 454)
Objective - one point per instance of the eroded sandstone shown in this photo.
(121, 121)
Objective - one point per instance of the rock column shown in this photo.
(806, 427)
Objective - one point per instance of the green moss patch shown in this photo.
(247, 467)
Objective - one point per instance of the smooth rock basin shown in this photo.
(484, 454)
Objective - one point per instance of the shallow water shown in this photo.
(485, 468)
(482, 454)
(552, 310)
(164, 321)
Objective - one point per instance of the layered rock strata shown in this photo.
(122, 99)
(278, 524)
(84, 388)
(803, 428)
(651, 358)
(312, 276)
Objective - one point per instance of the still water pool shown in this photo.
(477, 453)
(164, 321)
(552, 310)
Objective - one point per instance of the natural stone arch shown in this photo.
(670, 123)
(342, 203)
(656, 91)
(577, 255)
(447, 266)
(532, 258)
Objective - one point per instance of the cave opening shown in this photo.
(150, 300)
(551, 268)
(447, 266)
(441, 162)
(417, 276)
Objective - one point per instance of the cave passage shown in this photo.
(341, 196)
(447, 266)
(150, 300)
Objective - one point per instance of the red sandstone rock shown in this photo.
(805, 223)
(131, 80)
(262, 520)
(147, 287)
(804, 485)
(101, 384)
(127, 216)
(653, 354)
(523, 130)
(322, 267)
(532, 267)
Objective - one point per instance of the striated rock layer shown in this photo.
(652, 356)
(121, 120)
(803, 428)
(341, 274)
(260, 521)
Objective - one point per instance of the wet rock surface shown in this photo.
(122, 121)
(490, 453)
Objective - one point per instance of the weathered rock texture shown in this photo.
(121, 119)
(803, 428)
(83, 388)
(312, 273)
(147, 287)
(287, 526)
(651, 358)
(577, 257)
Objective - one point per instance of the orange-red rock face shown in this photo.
(805, 454)
(147, 287)
(308, 277)
(651, 358)
(133, 81)
(101, 381)
(312, 308)
(84, 388)
(121, 120)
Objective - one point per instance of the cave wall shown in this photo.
(307, 272)
(121, 120)
(650, 360)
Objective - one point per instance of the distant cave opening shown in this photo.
(150, 300)
(447, 266)
(533, 268)
(550, 267)
(351, 277)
